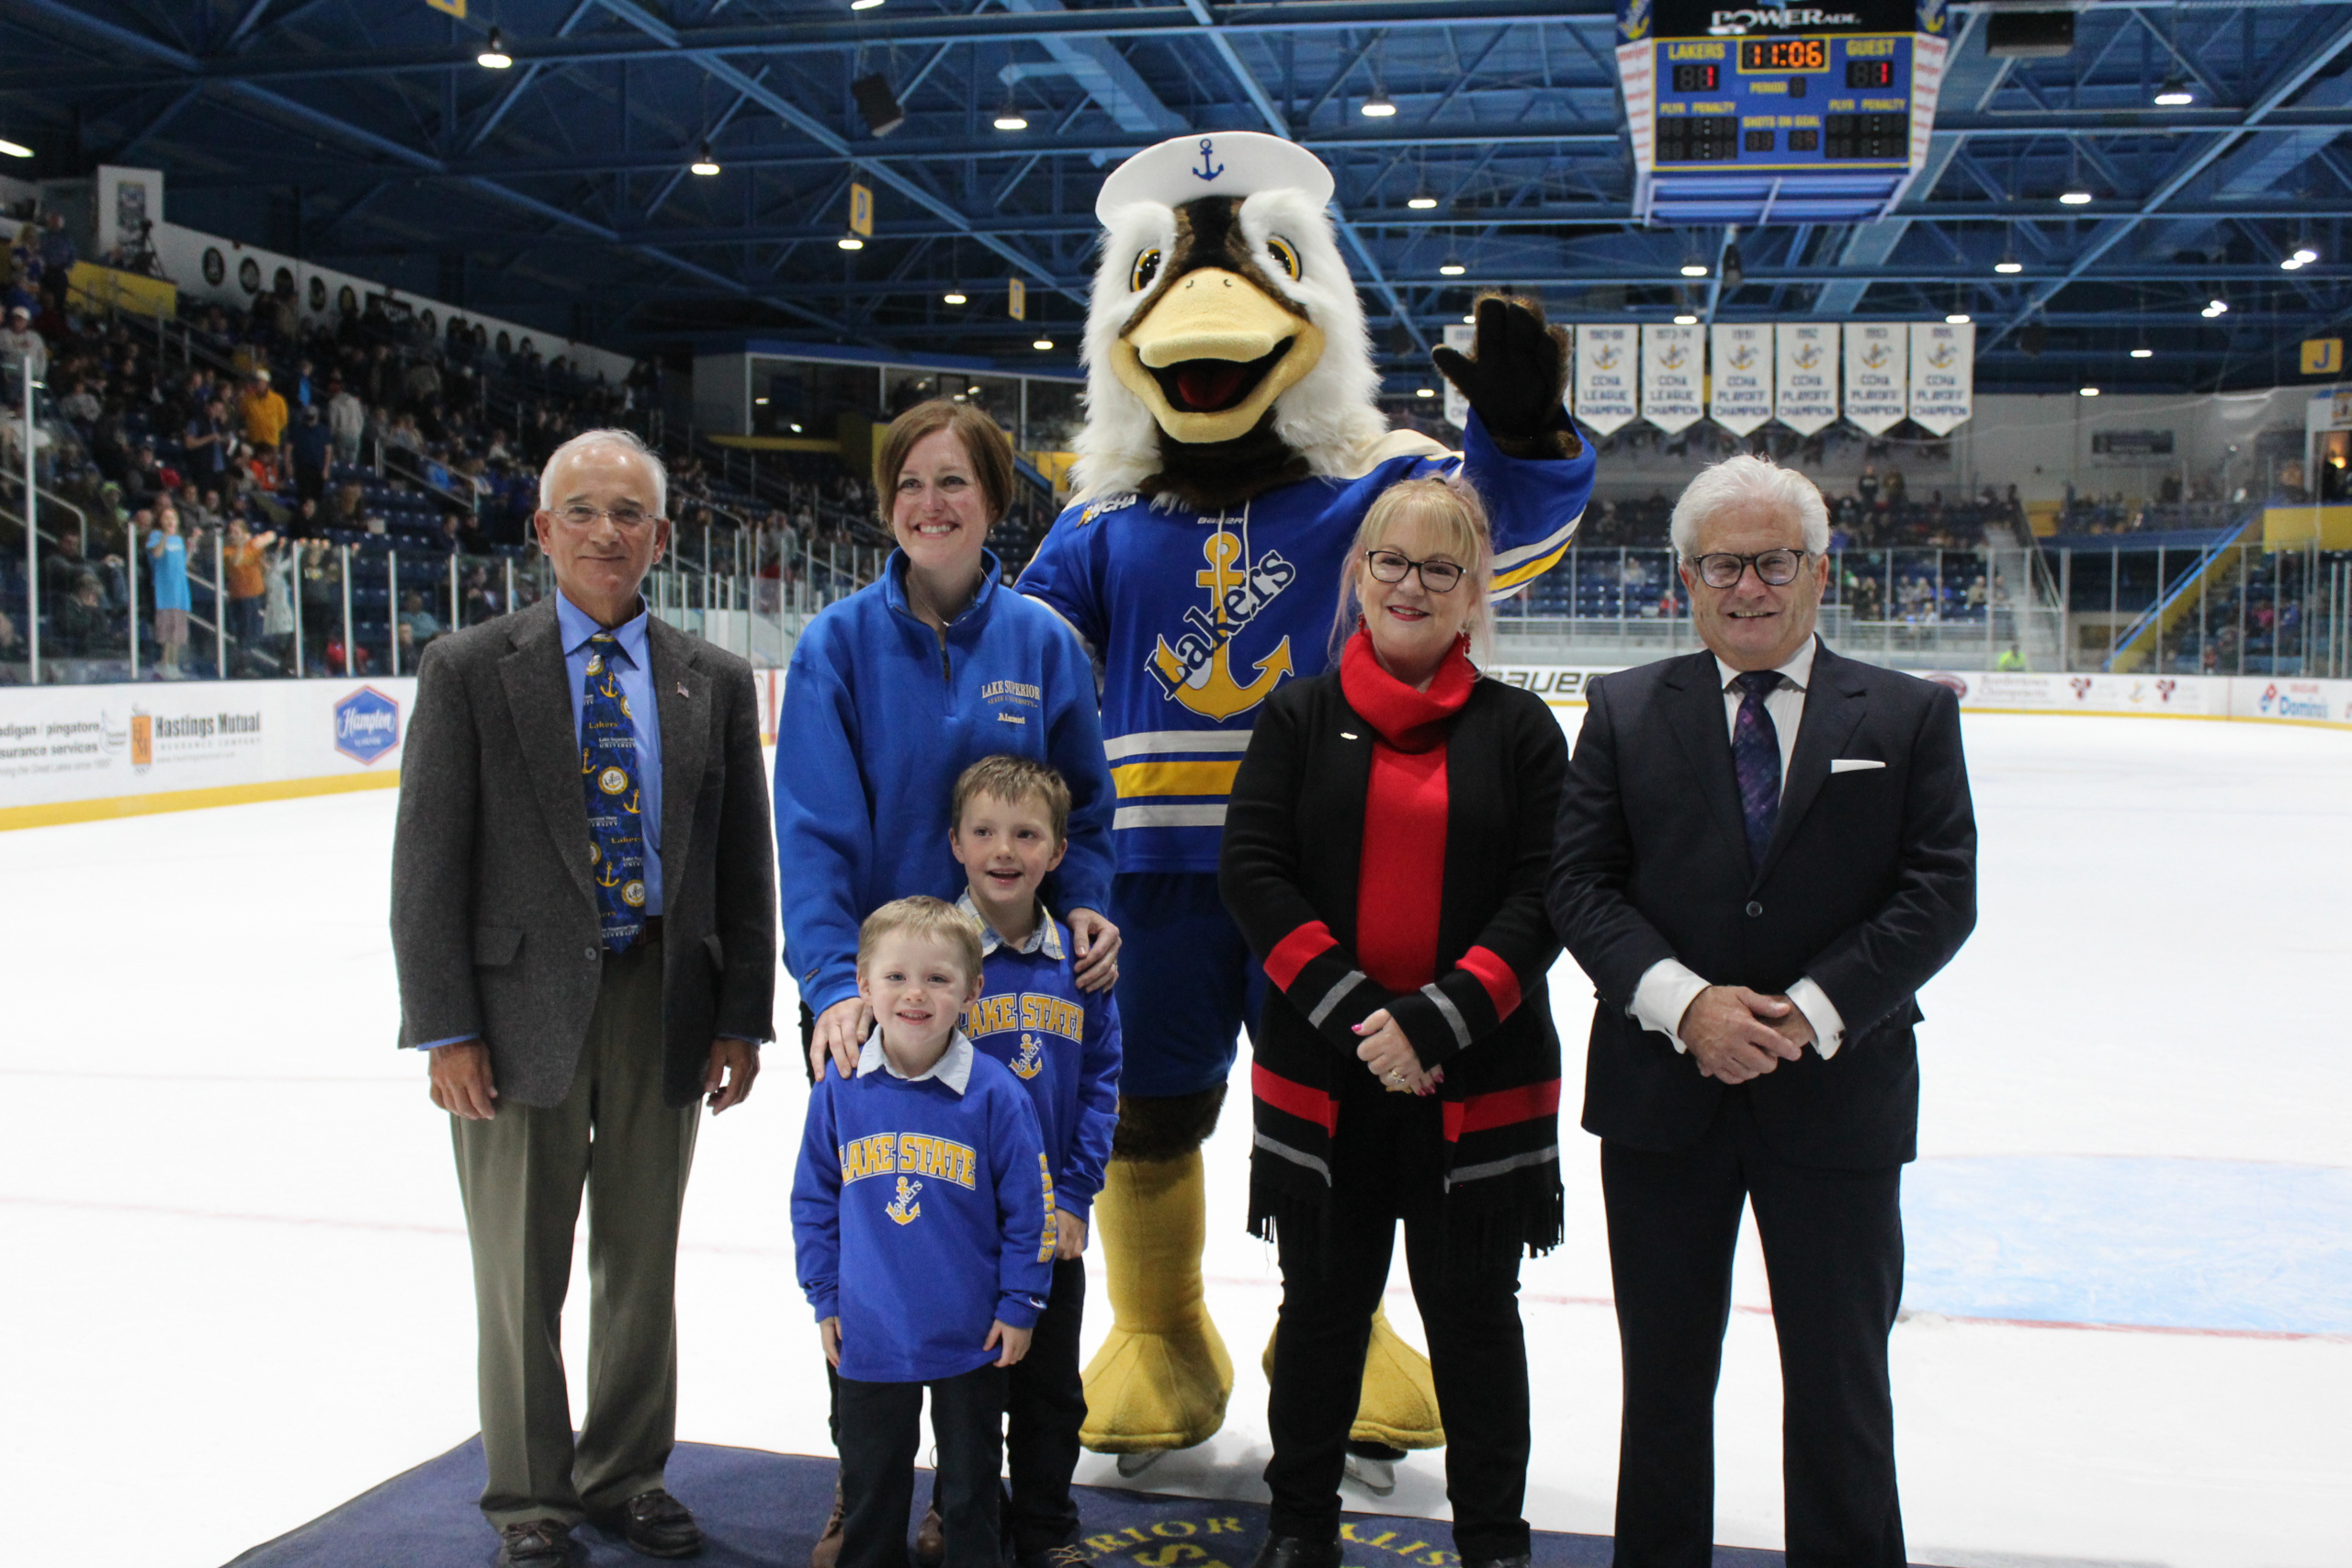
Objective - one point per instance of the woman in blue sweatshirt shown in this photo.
(894, 692)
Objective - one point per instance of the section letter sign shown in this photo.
(1672, 370)
(1804, 394)
(1876, 374)
(1943, 375)
(1605, 400)
(1739, 398)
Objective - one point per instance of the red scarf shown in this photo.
(1406, 719)
(1400, 880)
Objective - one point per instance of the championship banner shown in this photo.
(1943, 375)
(1876, 376)
(1739, 396)
(1672, 371)
(1604, 361)
(1804, 392)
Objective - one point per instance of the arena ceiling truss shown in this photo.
(367, 135)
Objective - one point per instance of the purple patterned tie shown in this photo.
(1755, 760)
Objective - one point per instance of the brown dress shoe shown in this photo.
(534, 1543)
(827, 1552)
(930, 1539)
(653, 1523)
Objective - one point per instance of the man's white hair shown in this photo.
(589, 440)
(1740, 479)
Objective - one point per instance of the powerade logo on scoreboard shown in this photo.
(1637, 19)
(366, 725)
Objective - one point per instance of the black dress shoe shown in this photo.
(534, 1543)
(1294, 1551)
(653, 1523)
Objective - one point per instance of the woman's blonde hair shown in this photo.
(1452, 506)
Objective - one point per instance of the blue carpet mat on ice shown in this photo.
(764, 1510)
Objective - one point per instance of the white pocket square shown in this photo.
(1853, 764)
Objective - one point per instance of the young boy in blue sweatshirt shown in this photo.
(923, 1217)
(1009, 817)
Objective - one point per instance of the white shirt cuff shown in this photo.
(1666, 992)
(1828, 1029)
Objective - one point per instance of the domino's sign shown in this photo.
(366, 725)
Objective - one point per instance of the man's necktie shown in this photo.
(1755, 760)
(608, 772)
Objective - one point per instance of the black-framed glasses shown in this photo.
(1775, 568)
(1437, 575)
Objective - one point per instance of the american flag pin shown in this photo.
(683, 693)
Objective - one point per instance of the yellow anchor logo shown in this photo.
(1029, 1062)
(1875, 356)
(1940, 357)
(1197, 670)
(1742, 358)
(1808, 357)
(903, 1208)
(1607, 359)
(610, 878)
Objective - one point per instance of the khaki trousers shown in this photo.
(521, 1174)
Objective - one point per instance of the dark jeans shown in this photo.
(1833, 1251)
(1044, 1406)
(1387, 1165)
(879, 1434)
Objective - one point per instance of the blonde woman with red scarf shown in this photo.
(1386, 853)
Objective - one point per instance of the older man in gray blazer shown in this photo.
(583, 921)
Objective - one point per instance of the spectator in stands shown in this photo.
(307, 444)
(58, 256)
(346, 420)
(167, 553)
(306, 523)
(79, 623)
(21, 345)
(262, 413)
(417, 623)
(206, 442)
(244, 564)
(12, 649)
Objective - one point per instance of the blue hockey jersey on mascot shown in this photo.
(1195, 617)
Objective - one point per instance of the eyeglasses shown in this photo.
(1437, 575)
(622, 516)
(1775, 568)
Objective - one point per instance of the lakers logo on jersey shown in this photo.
(1029, 1061)
(1197, 670)
(903, 1208)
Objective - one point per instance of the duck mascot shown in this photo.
(1231, 448)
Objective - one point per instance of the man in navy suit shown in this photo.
(1764, 851)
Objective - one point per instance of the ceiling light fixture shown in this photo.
(493, 55)
(759, 402)
(2292, 264)
(2175, 92)
(1451, 269)
(850, 242)
(1420, 201)
(1424, 392)
(1042, 344)
(2216, 306)
(1377, 107)
(953, 297)
(2143, 352)
(2090, 391)
(2305, 255)
(1686, 319)
(1011, 119)
(1695, 269)
(864, 4)
(1957, 318)
(2008, 264)
(2074, 195)
(704, 162)
(1471, 320)
(15, 150)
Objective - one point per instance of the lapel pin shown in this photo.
(683, 693)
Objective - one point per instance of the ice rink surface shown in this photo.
(235, 1286)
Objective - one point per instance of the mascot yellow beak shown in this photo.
(1211, 355)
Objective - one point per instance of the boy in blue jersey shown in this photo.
(923, 1217)
(1011, 819)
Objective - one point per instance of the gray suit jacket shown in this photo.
(494, 929)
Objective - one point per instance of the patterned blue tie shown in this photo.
(1755, 760)
(608, 772)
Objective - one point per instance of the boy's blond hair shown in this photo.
(925, 919)
(1012, 780)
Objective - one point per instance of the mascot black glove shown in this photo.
(1515, 377)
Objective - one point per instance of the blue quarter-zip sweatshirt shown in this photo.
(878, 720)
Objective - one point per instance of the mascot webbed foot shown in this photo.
(1162, 1377)
(1398, 1407)
(1515, 378)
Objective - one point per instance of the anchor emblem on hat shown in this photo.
(1208, 170)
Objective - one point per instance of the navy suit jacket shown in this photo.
(1868, 886)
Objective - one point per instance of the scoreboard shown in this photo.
(1793, 114)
